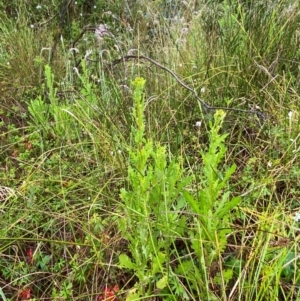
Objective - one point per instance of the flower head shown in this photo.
(297, 217)
(101, 31)
(198, 124)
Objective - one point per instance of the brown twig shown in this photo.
(206, 107)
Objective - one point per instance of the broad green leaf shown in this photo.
(125, 262)
(162, 283)
(157, 262)
(133, 295)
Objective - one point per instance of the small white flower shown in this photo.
(290, 114)
(184, 30)
(38, 6)
(269, 164)
(80, 14)
(31, 26)
(297, 217)
(95, 6)
(198, 124)
(202, 90)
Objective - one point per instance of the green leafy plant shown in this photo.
(156, 188)
(213, 210)
(39, 112)
(152, 203)
(60, 119)
(214, 204)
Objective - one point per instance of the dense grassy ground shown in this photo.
(118, 182)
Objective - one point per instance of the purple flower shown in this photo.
(101, 31)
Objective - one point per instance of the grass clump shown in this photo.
(116, 183)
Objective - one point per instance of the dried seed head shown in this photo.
(5, 193)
